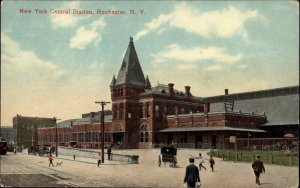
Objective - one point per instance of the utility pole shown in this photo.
(103, 103)
(56, 145)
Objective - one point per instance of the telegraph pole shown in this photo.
(103, 103)
(56, 148)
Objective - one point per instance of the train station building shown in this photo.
(143, 116)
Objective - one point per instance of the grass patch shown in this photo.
(268, 157)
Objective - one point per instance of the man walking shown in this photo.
(109, 153)
(258, 167)
(191, 174)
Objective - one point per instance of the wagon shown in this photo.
(167, 155)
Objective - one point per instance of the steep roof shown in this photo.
(131, 72)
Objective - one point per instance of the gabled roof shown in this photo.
(131, 72)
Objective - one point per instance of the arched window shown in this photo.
(156, 110)
(148, 110)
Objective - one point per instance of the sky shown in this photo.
(58, 65)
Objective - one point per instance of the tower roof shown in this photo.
(131, 72)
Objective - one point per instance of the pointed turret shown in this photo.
(131, 72)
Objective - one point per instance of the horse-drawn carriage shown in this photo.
(167, 155)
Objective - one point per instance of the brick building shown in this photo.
(143, 116)
(25, 129)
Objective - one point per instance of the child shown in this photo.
(201, 162)
(99, 159)
(50, 160)
(211, 162)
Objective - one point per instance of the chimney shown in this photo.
(226, 91)
(171, 90)
(206, 108)
(187, 91)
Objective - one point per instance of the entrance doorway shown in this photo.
(198, 141)
(213, 141)
(118, 138)
(170, 138)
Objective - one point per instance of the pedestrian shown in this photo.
(50, 159)
(211, 162)
(201, 162)
(191, 174)
(99, 159)
(258, 167)
(109, 153)
(15, 150)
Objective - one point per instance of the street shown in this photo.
(24, 170)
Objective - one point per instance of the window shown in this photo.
(74, 137)
(95, 136)
(144, 133)
(156, 110)
(148, 108)
(80, 137)
(121, 111)
(88, 137)
(60, 138)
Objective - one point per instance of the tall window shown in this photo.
(74, 137)
(156, 110)
(148, 110)
(95, 136)
(121, 111)
(88, 137)
(144, 133)
(80, 137)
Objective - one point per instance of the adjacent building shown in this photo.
(25, 129)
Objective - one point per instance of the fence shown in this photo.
(273, 144)
(92, 154)
(270, 157)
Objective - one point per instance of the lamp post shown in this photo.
(103, 103)
(56, 145)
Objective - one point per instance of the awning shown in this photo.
(215, 128)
